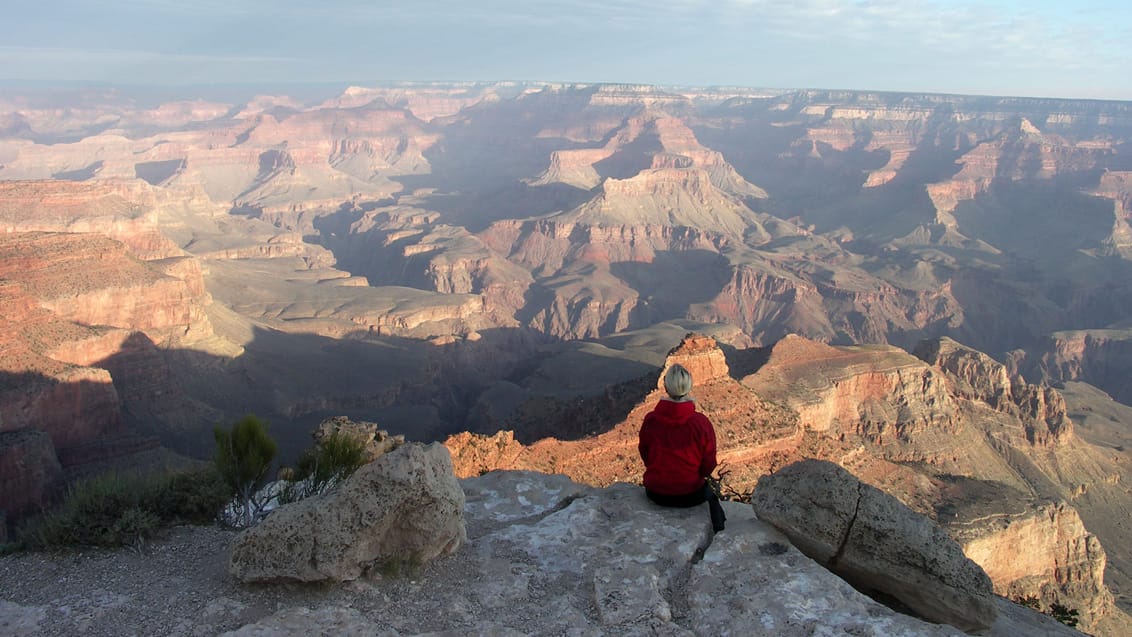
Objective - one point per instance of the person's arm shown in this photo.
(642, 444)
(708, 462)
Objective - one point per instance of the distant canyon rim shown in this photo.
(493, 257)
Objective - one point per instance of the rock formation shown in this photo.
(403, 508)
(1015, 551)
(377, 442)
(979, 377)
(1099, 357)
(123, 210)
(876, 543)
(81, 324)
(701, 356)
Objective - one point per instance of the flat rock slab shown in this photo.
(617, 524)
(507, 496)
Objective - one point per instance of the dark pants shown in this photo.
(692, 499)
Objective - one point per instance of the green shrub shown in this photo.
(398, 566)
(326, 464)
(121, 509)
(1063, 614)
(112, 509)
(134, 523)
(243, 458)
(195, 497)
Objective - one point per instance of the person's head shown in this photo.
(677, 382)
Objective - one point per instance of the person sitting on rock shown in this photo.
(677, 444)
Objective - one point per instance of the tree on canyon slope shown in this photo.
(243, 457)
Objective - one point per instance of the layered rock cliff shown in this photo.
(123, 210)
(1099, 357)
(93, 280)
(889, 216)
(1043, 551)
(47, 405)
(1041, 409)
(73, 303)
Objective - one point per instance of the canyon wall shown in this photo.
(1045, 553)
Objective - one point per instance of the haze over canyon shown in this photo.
(931, 290)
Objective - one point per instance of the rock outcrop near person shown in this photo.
(404, 508)
(876, 543)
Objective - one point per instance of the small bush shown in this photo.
(1063, 614)
(119, 509)
(399, 566)
(112, 509)
(134, 524)
(321, 467)
(195, 497)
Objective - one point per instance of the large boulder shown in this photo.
(406, 507)
(876, 543)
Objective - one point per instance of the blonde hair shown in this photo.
(677, 381)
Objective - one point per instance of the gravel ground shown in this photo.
(177, 585)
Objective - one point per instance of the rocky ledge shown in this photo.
(544, 556)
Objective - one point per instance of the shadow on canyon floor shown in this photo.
(741, 363)
(422, 390)
(476, 209)
(672, 282)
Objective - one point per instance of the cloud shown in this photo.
(203, 8)
(918, 44)
(131, 65)
(121, 56)
(995, 33)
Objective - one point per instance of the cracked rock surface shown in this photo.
(544, 556)
(875, 541)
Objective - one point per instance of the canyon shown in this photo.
(930, 290)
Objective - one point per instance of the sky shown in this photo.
(1041, 48)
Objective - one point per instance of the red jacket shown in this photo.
(677, 444)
